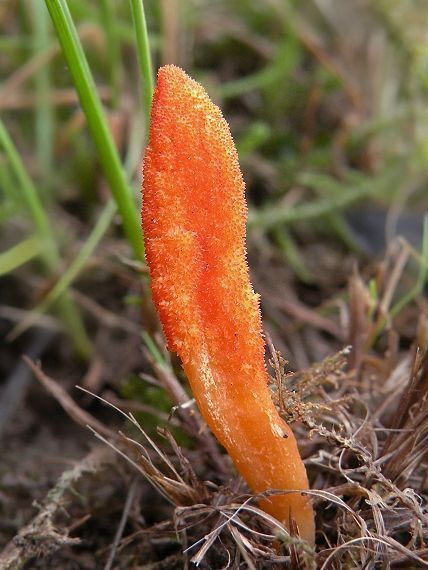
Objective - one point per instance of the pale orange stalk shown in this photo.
(194, 217)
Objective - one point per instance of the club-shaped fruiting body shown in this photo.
(194, 219)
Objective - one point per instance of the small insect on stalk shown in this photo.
(194, 218)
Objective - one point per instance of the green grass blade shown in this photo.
(19, 254)
(421, 278)
(73, 269)
(44, 118)
(31, 198)
(410, 295)
(291, 254)
(278, 70)
(144, 58)
(97, 122)
(9, 202)
(113, 48)
(343, 197)
(50, 255)
(152, 348)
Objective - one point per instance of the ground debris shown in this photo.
(41, 537)
(369, 459)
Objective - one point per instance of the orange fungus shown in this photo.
(194, 217)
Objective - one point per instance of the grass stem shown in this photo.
(97, 122)
(144, 58)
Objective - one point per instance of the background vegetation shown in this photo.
(327, 103)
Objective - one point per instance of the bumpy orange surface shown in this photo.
(194, 217)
